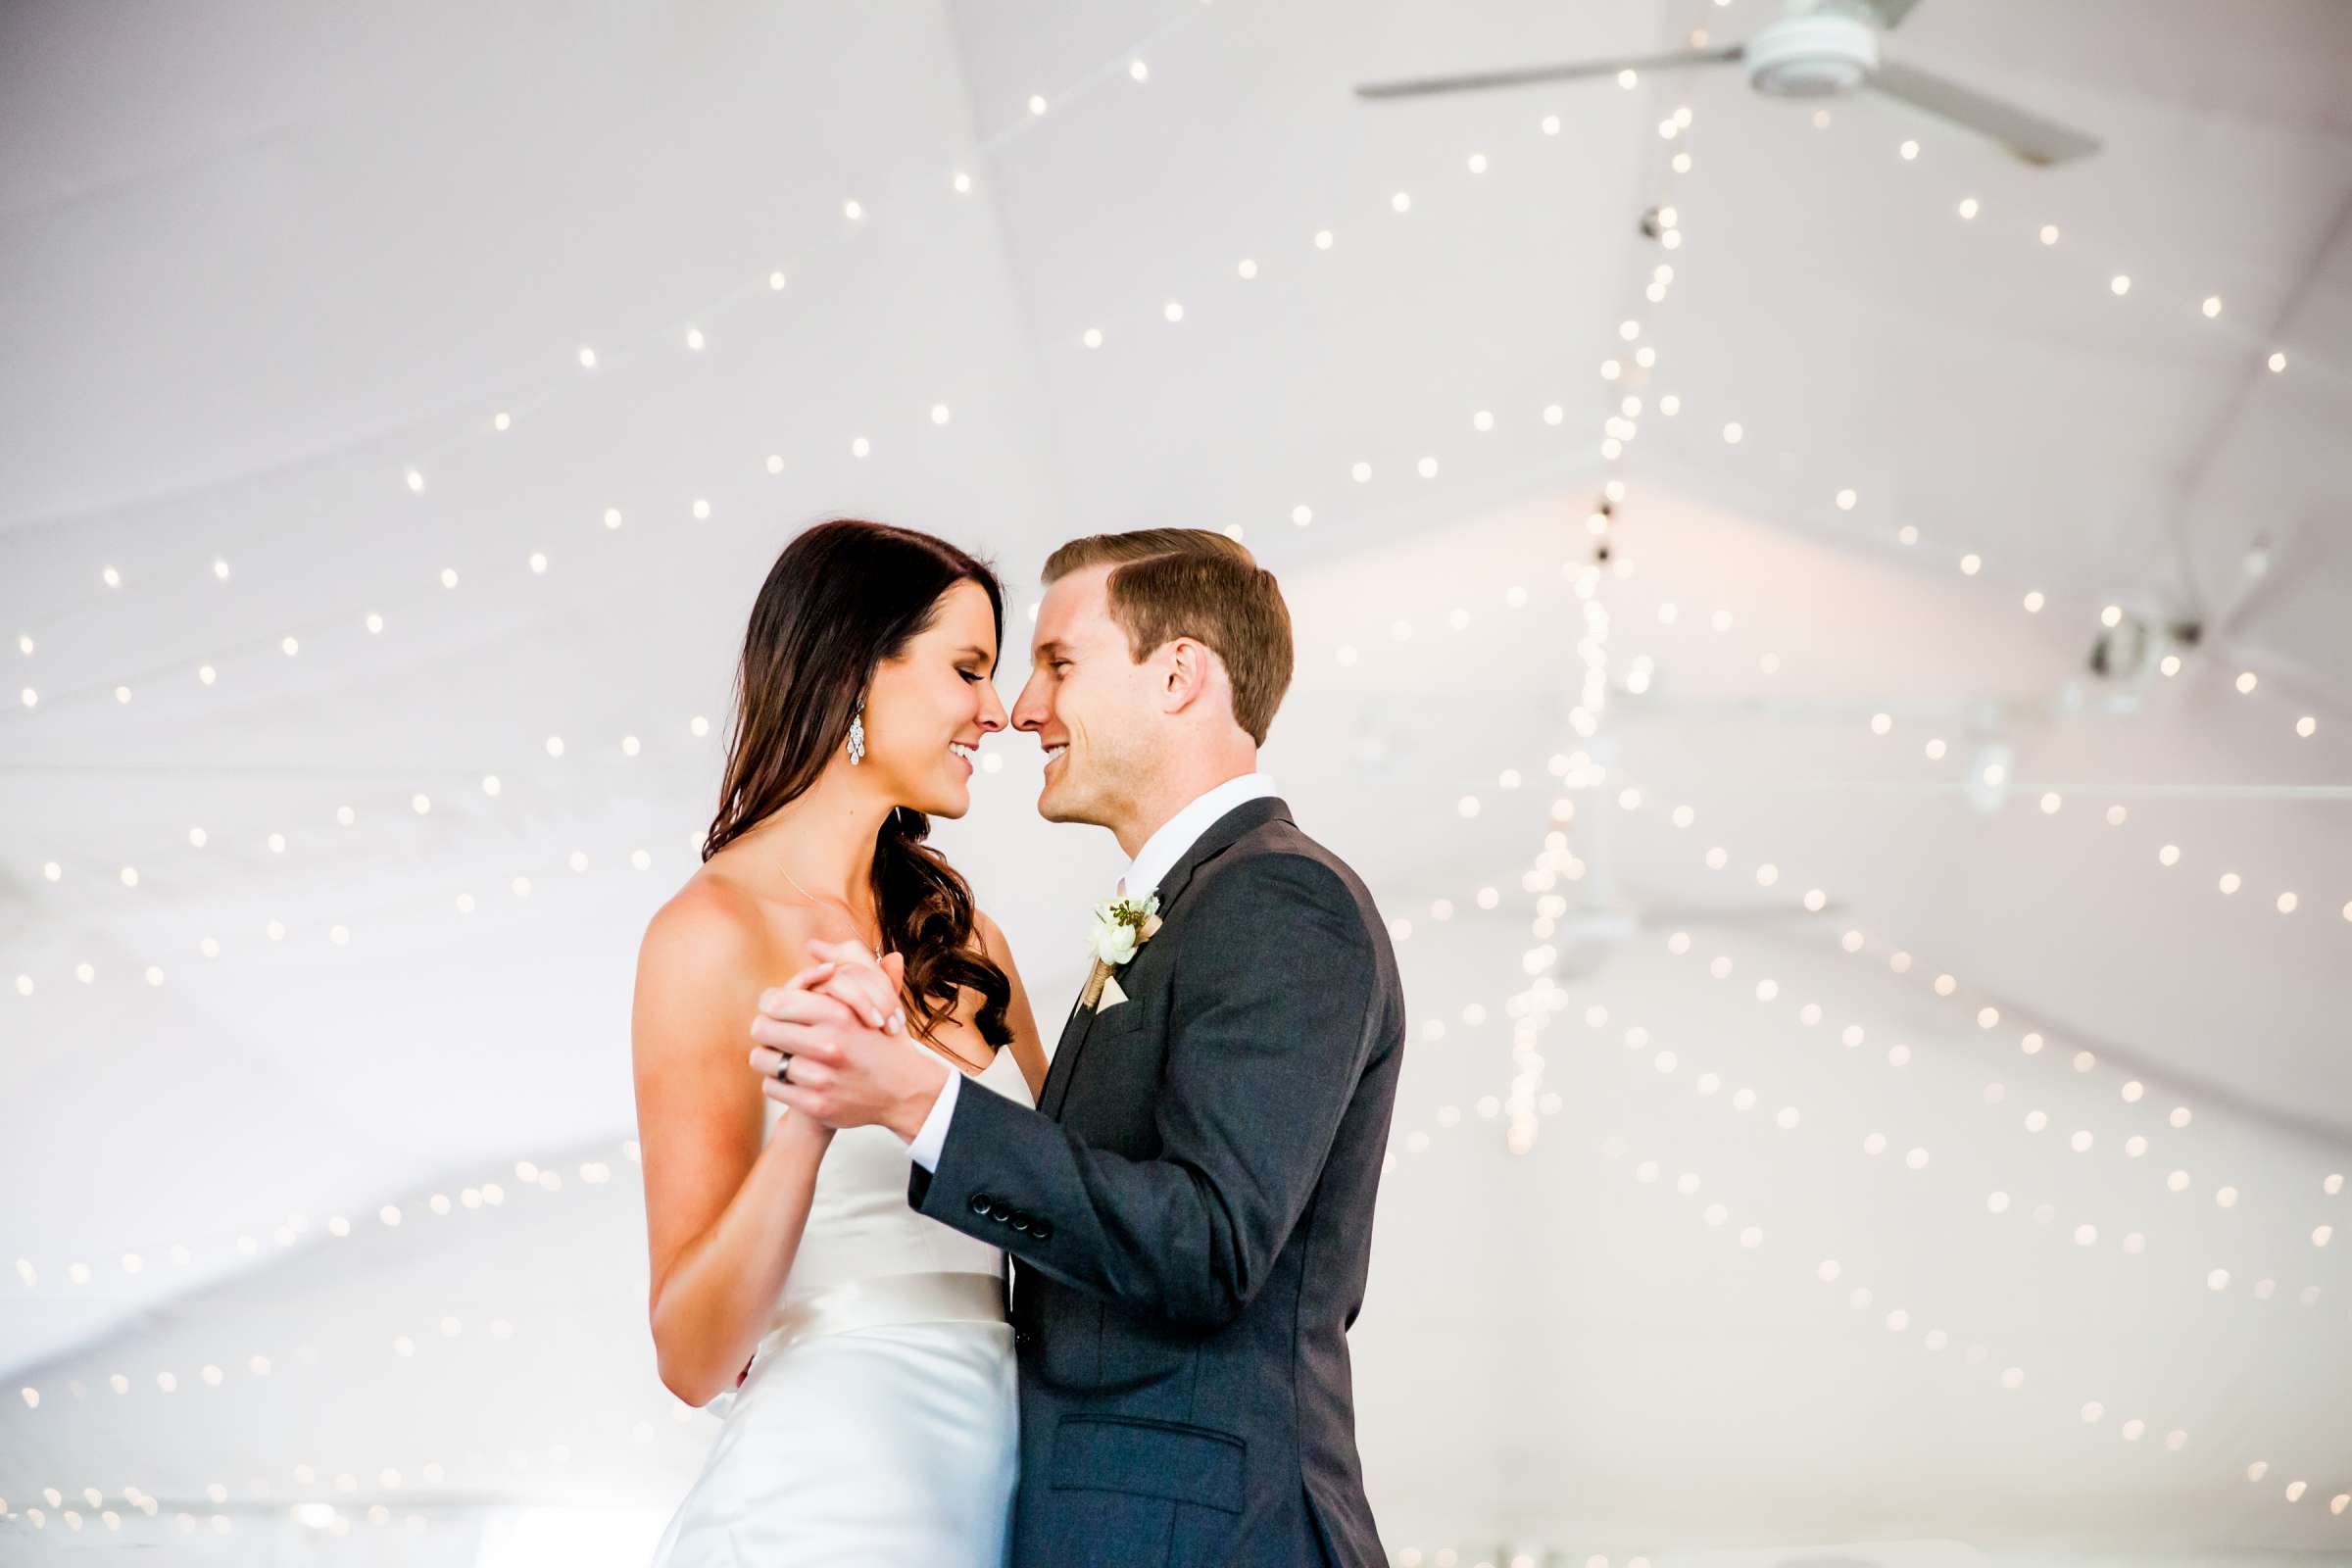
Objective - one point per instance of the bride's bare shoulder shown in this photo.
(717, 920)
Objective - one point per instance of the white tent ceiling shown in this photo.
(269, 275)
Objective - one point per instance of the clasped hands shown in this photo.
(833, 1044)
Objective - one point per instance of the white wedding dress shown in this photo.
(879, 1422)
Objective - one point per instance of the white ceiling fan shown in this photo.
(1824, 49)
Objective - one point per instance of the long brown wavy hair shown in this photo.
(843, 597)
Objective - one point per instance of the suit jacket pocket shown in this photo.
(1149, 1459)
(1133, 1014)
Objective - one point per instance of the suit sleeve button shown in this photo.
(980, 1203)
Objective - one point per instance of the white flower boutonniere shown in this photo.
(1120, 926)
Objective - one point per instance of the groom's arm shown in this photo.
(1266, 1042)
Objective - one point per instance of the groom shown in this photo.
(1190, 1206)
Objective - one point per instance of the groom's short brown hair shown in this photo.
(1191, 582)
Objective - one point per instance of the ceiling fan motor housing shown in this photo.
(1817, 56)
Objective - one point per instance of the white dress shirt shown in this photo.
(1158, 855)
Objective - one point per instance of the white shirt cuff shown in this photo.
(933, 1135)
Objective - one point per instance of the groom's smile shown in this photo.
(1073, 633)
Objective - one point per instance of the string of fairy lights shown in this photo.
(1578, 772)
(1860, 1298)
(1844, 498)
(1987, 1015)
(1618, 426)
(491, 784)
(1619, 430)
(1708, 1084)
(315, 1485)
(1898, 1320)
(478, 1197)
(1526, 1098)
(1417, 1141)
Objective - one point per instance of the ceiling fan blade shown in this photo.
(1429, 86)
(2032, 139)
(1891, 12)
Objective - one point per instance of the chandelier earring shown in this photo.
(857, 733)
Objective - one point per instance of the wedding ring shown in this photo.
(784, 1070)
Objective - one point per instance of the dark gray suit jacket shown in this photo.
(1190, 1214)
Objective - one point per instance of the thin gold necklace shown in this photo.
(813, 898)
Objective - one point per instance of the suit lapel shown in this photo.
(1065, 1057)
(1219, 836)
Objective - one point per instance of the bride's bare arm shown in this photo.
(723, 1213)
(1028, 1052)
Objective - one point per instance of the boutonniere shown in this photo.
(1120, 926)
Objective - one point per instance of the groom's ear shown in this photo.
(1190, 665)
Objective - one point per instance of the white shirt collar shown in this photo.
(1178, 833)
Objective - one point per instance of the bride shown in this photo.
(860, 1353)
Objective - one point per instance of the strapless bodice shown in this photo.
(860, 1226)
